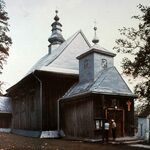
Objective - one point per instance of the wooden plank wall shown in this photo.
(54, 87)
(25, 105)
(5, 120)
(98, 106)
(121, 102)
(99, 113)
(77, 118)
(26, 101)
(129, 117)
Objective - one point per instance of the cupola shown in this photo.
(56, 38)
(93, 61)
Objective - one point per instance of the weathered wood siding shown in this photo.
(5, 120)
(25, 106)
(129, 118)
(33, 112)
(78, 115)
(98, 103)
(54, 86)
(77, 118)
(104, 103)
(99, 114)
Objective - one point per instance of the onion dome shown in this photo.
(56, 37)
(95, 39)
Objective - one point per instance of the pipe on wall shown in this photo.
(40, 98)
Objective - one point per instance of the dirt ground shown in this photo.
(15, 142)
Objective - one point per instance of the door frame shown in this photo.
(118, 109)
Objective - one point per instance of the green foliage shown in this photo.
(136, 42)
(5, 40)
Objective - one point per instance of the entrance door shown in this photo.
(118, 116)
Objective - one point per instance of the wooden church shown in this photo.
(71, 90)
(100, 94)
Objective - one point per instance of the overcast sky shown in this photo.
(30, 26)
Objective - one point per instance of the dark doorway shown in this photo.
(118, 116)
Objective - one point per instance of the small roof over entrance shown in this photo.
(109, 81)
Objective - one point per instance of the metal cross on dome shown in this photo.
(95, 39)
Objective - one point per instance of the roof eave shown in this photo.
(96, 51)
(18, 83)
(60, 73)
(4, 112)
(116, 94)
(75, 95)
(95, 92)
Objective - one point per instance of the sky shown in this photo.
(30, 26)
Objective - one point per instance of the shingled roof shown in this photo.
(109, 81)
(63, 59)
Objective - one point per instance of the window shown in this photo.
(98, 124)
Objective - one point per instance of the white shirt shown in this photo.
(113, 125)
(106, 126)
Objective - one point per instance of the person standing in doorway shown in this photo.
(114, 129)
(106, 131)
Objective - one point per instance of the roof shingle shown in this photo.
(109, 81)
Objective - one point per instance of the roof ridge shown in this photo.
(72, 38)
(85, 38)
(57, 53)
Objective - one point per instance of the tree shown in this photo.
(136, 42)
(5, 40)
